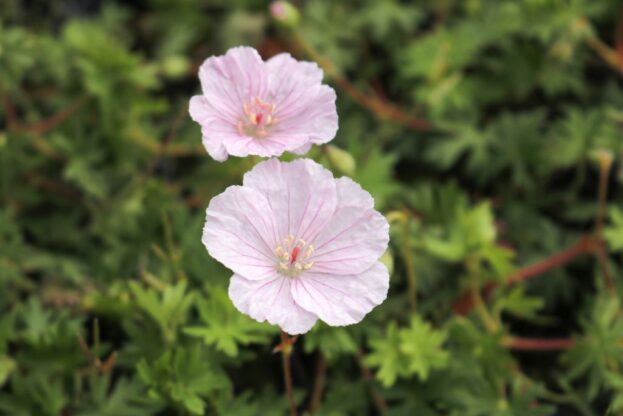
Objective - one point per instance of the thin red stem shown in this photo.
(380, 107)
(605, 164)
(377, 399)
(9, 109)
(539, 344)
(319, 382)
(585, 245)
(287, 371)
(43, 125)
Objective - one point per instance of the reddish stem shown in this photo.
(56, 119)
(319, 382)
(377, 399)
(586, 245)
(286, 344)
(9, 109)
(44, 125)
(605, 164)
(539, 344)
(380, 107)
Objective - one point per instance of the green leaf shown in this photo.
(331, 341)
(613, 233)
(186, 376)
(7, 366)
(169, 309)
(517, 303)
(404, 352)
(225, 327)
(375, 176)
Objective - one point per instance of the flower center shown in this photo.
(258, 117)
(293, 257)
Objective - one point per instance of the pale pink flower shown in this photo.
(252, 107)
(302, 245)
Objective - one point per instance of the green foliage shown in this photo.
(518, 304)
(415, 350)
(598, 353)
(471, 234)
(614, 232)
(110, 304)
(123, 398)
(169, 310)
(184, 376)
(225, 327)
(331, 342)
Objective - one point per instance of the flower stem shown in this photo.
(286, 351)
(608, 54)
(483, 313)
(366, 374)
(408, 259)
(42, 126)
(584, 245)
(319, 382)
(384, 110)
(538, 344)
(605, 164)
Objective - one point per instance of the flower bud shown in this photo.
(581, 28)
(396, 217)
(175, 66)
(562, 50)
(343, 161)
(388, 260)
(603, 157)
(285, 14)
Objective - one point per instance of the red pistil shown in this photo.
(258, 118)
(295, 253)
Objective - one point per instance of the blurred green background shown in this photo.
(488, 131)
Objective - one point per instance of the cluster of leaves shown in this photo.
(110, 305)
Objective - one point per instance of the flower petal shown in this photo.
(227, 82)
(270, 300)
(271, 145)
(304, 111)
(303, 149)
(303, 105)
(213, 143)
(302, 194)
(312, 113)
(240, 232)
(341, 299)
(356, 236)
(286, 74)
(214, 129)
(230, 80)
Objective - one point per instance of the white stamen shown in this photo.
(293, 256)
(258, 117)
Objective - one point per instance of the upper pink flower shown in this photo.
(252, 107)
(302, 245)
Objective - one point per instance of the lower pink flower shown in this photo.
(302, 245)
